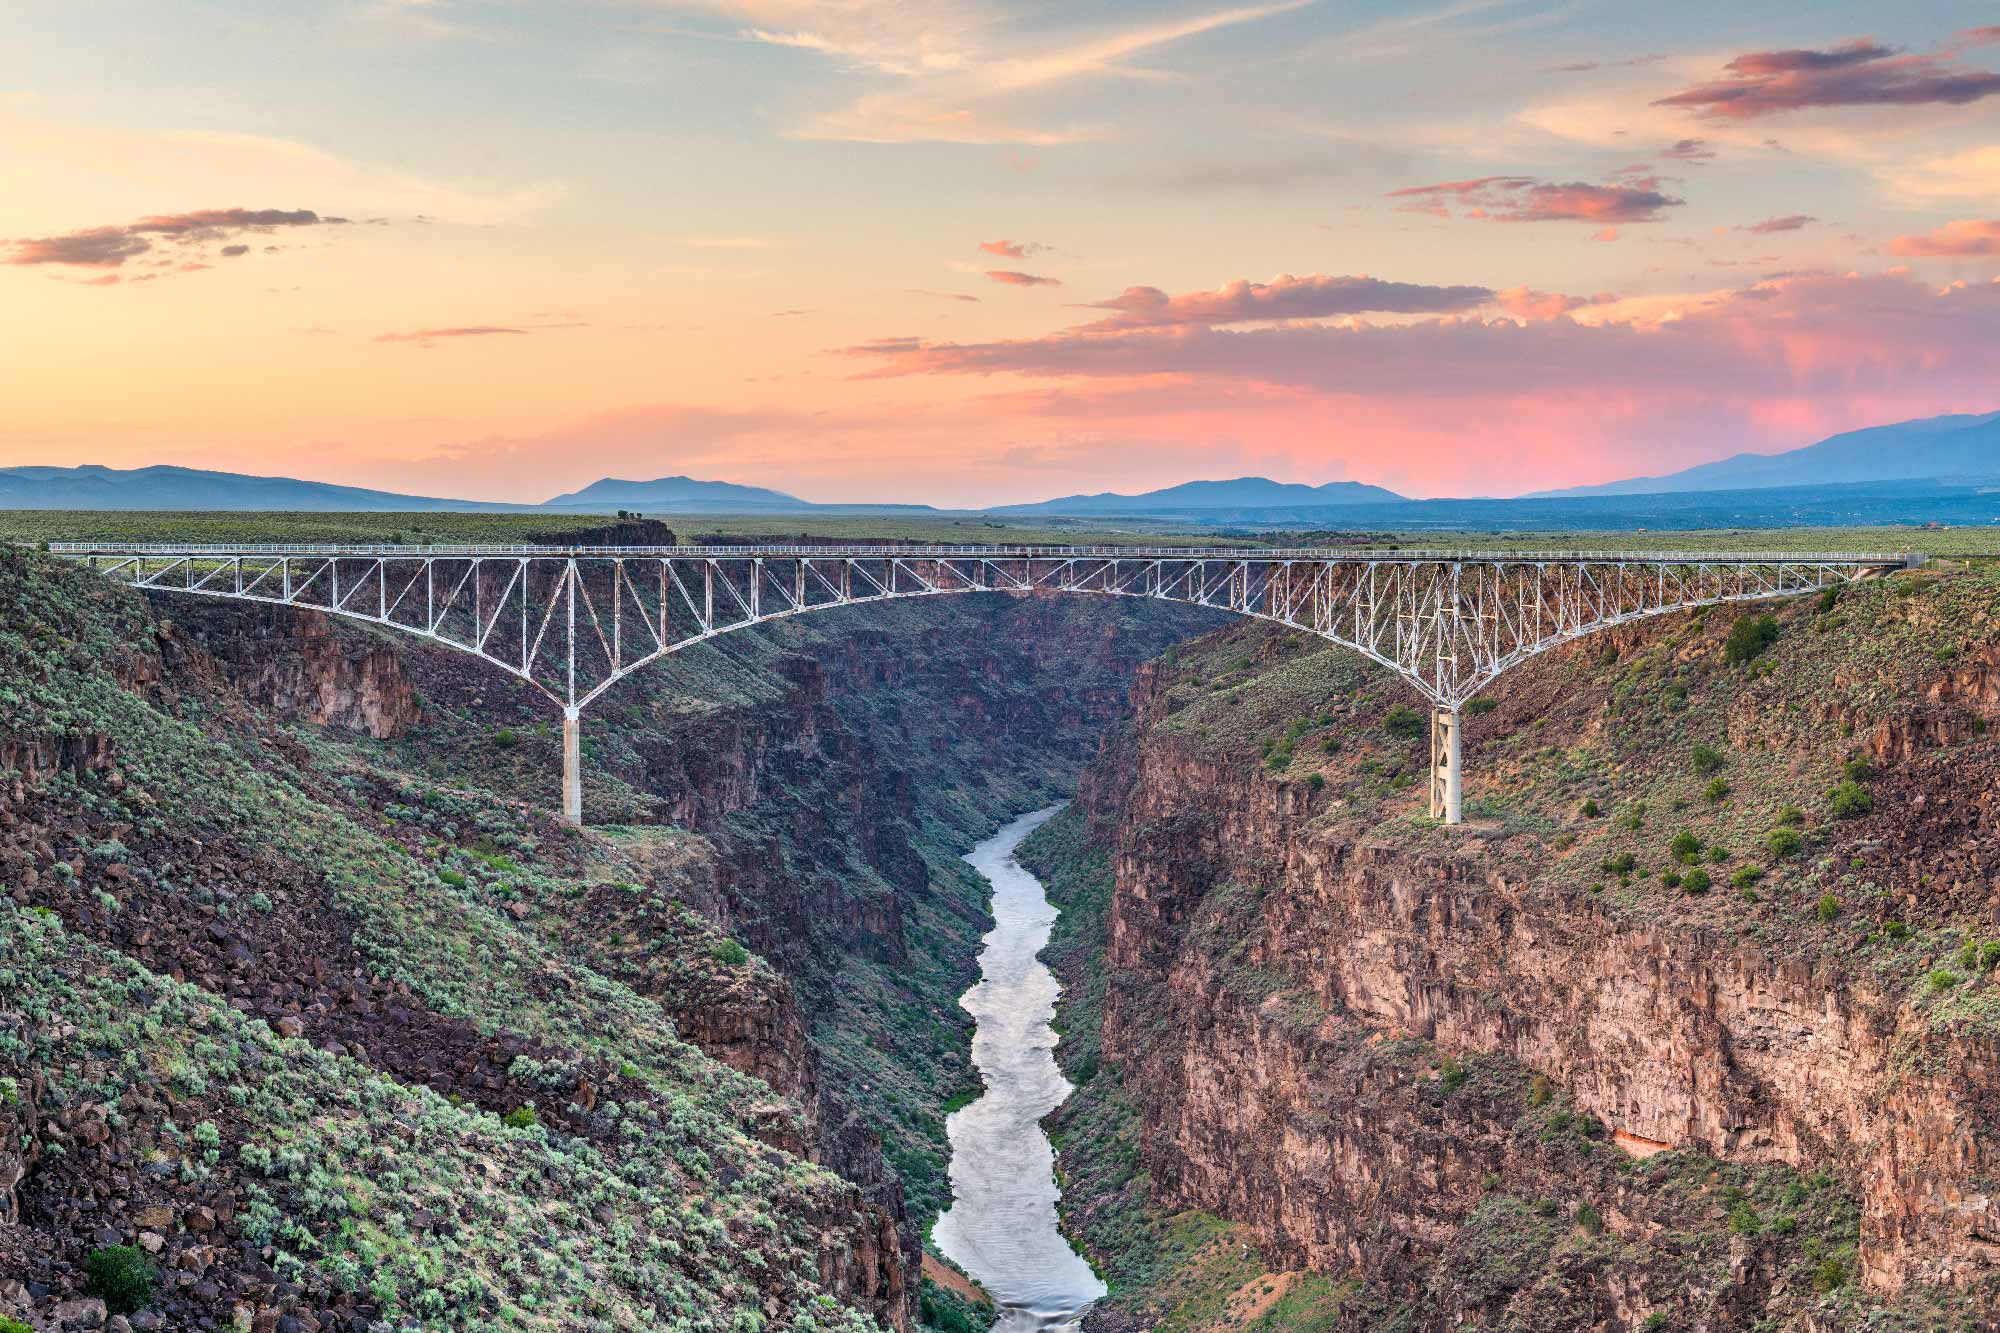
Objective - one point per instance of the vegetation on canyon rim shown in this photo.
(492, 1120)
(1802, 798)
(501, 1109)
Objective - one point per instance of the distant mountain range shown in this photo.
(1201, 497)
(1936, 447)
(1942, 469)
(677, 495)
(94, 487)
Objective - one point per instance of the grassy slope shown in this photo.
(689, 1215)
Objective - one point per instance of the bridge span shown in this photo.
(572, 621)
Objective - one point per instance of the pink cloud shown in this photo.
(1555, 401)
(1963, 239)
(1013, 278)
(1013, 249)
(1530, 304)
(1770, 226)
(1858, 73)
(1690, 150)
(1315, 296)
(1523, 199)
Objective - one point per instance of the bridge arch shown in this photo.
(574, 621)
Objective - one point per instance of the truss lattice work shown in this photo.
(573, 621)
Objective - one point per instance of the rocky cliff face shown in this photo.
(829, 775)
(1390, 1047)
(257, 981)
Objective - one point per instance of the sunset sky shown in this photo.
(971, 252)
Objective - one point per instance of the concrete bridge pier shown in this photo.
(1447, 767)
(572, 777)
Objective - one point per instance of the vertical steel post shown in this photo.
(572, 761)
(1447, 767)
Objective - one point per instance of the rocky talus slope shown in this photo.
(309, 1008)
(1694, 1025)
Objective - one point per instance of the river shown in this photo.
(1001, 1226)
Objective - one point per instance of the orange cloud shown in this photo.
(1964, 239)
(1017, 279)
(1013, 249)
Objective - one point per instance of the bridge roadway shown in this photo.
(572, 621)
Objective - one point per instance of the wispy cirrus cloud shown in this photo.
(430, 337)
(962, 73)
(1015, 278)
(112, 247)
(1863, 72)
(1967, 238)
(1587, 66)
(1316, 296)
(1772, 226)
(1697, 151)
(1525, 199)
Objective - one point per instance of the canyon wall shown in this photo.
(1363, 1034)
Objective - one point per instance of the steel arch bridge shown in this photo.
(572, 621)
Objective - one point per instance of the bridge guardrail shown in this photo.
(1385, 555)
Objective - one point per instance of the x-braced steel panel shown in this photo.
(572, 622)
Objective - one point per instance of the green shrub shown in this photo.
(1672, 879)
(1857, 769)
(1989, 954)
(1717, 790)
(1850, 800)
(1482, 705)
(1790, 816)
(1622, 864)
(1540, 1090)
(730, 952)
(1943, 979)
(1403, 721)
(1968, 955)
(1654, 1322)
(505, 738)
(521, 1117)
(1784, 1224)
(1695, 881)
(1589, 1220)
(122, 1276)
(1828, 908)
(1894, 930)
(1829, 1276)
(1783, 842)
(1685, 847)
(453, 878)
(1743, 1220)
(13, 1326)
(1828, 600)
(1745, 876)
(1706, 758)
(1719, 855)
(1316, 781)
(1590, 810)
(1452, 1074)
(1748, 638)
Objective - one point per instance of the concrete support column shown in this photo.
(1447, 767)
(572, 766)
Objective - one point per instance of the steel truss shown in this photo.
(574, 621)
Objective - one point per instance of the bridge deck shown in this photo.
(1340, 553)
